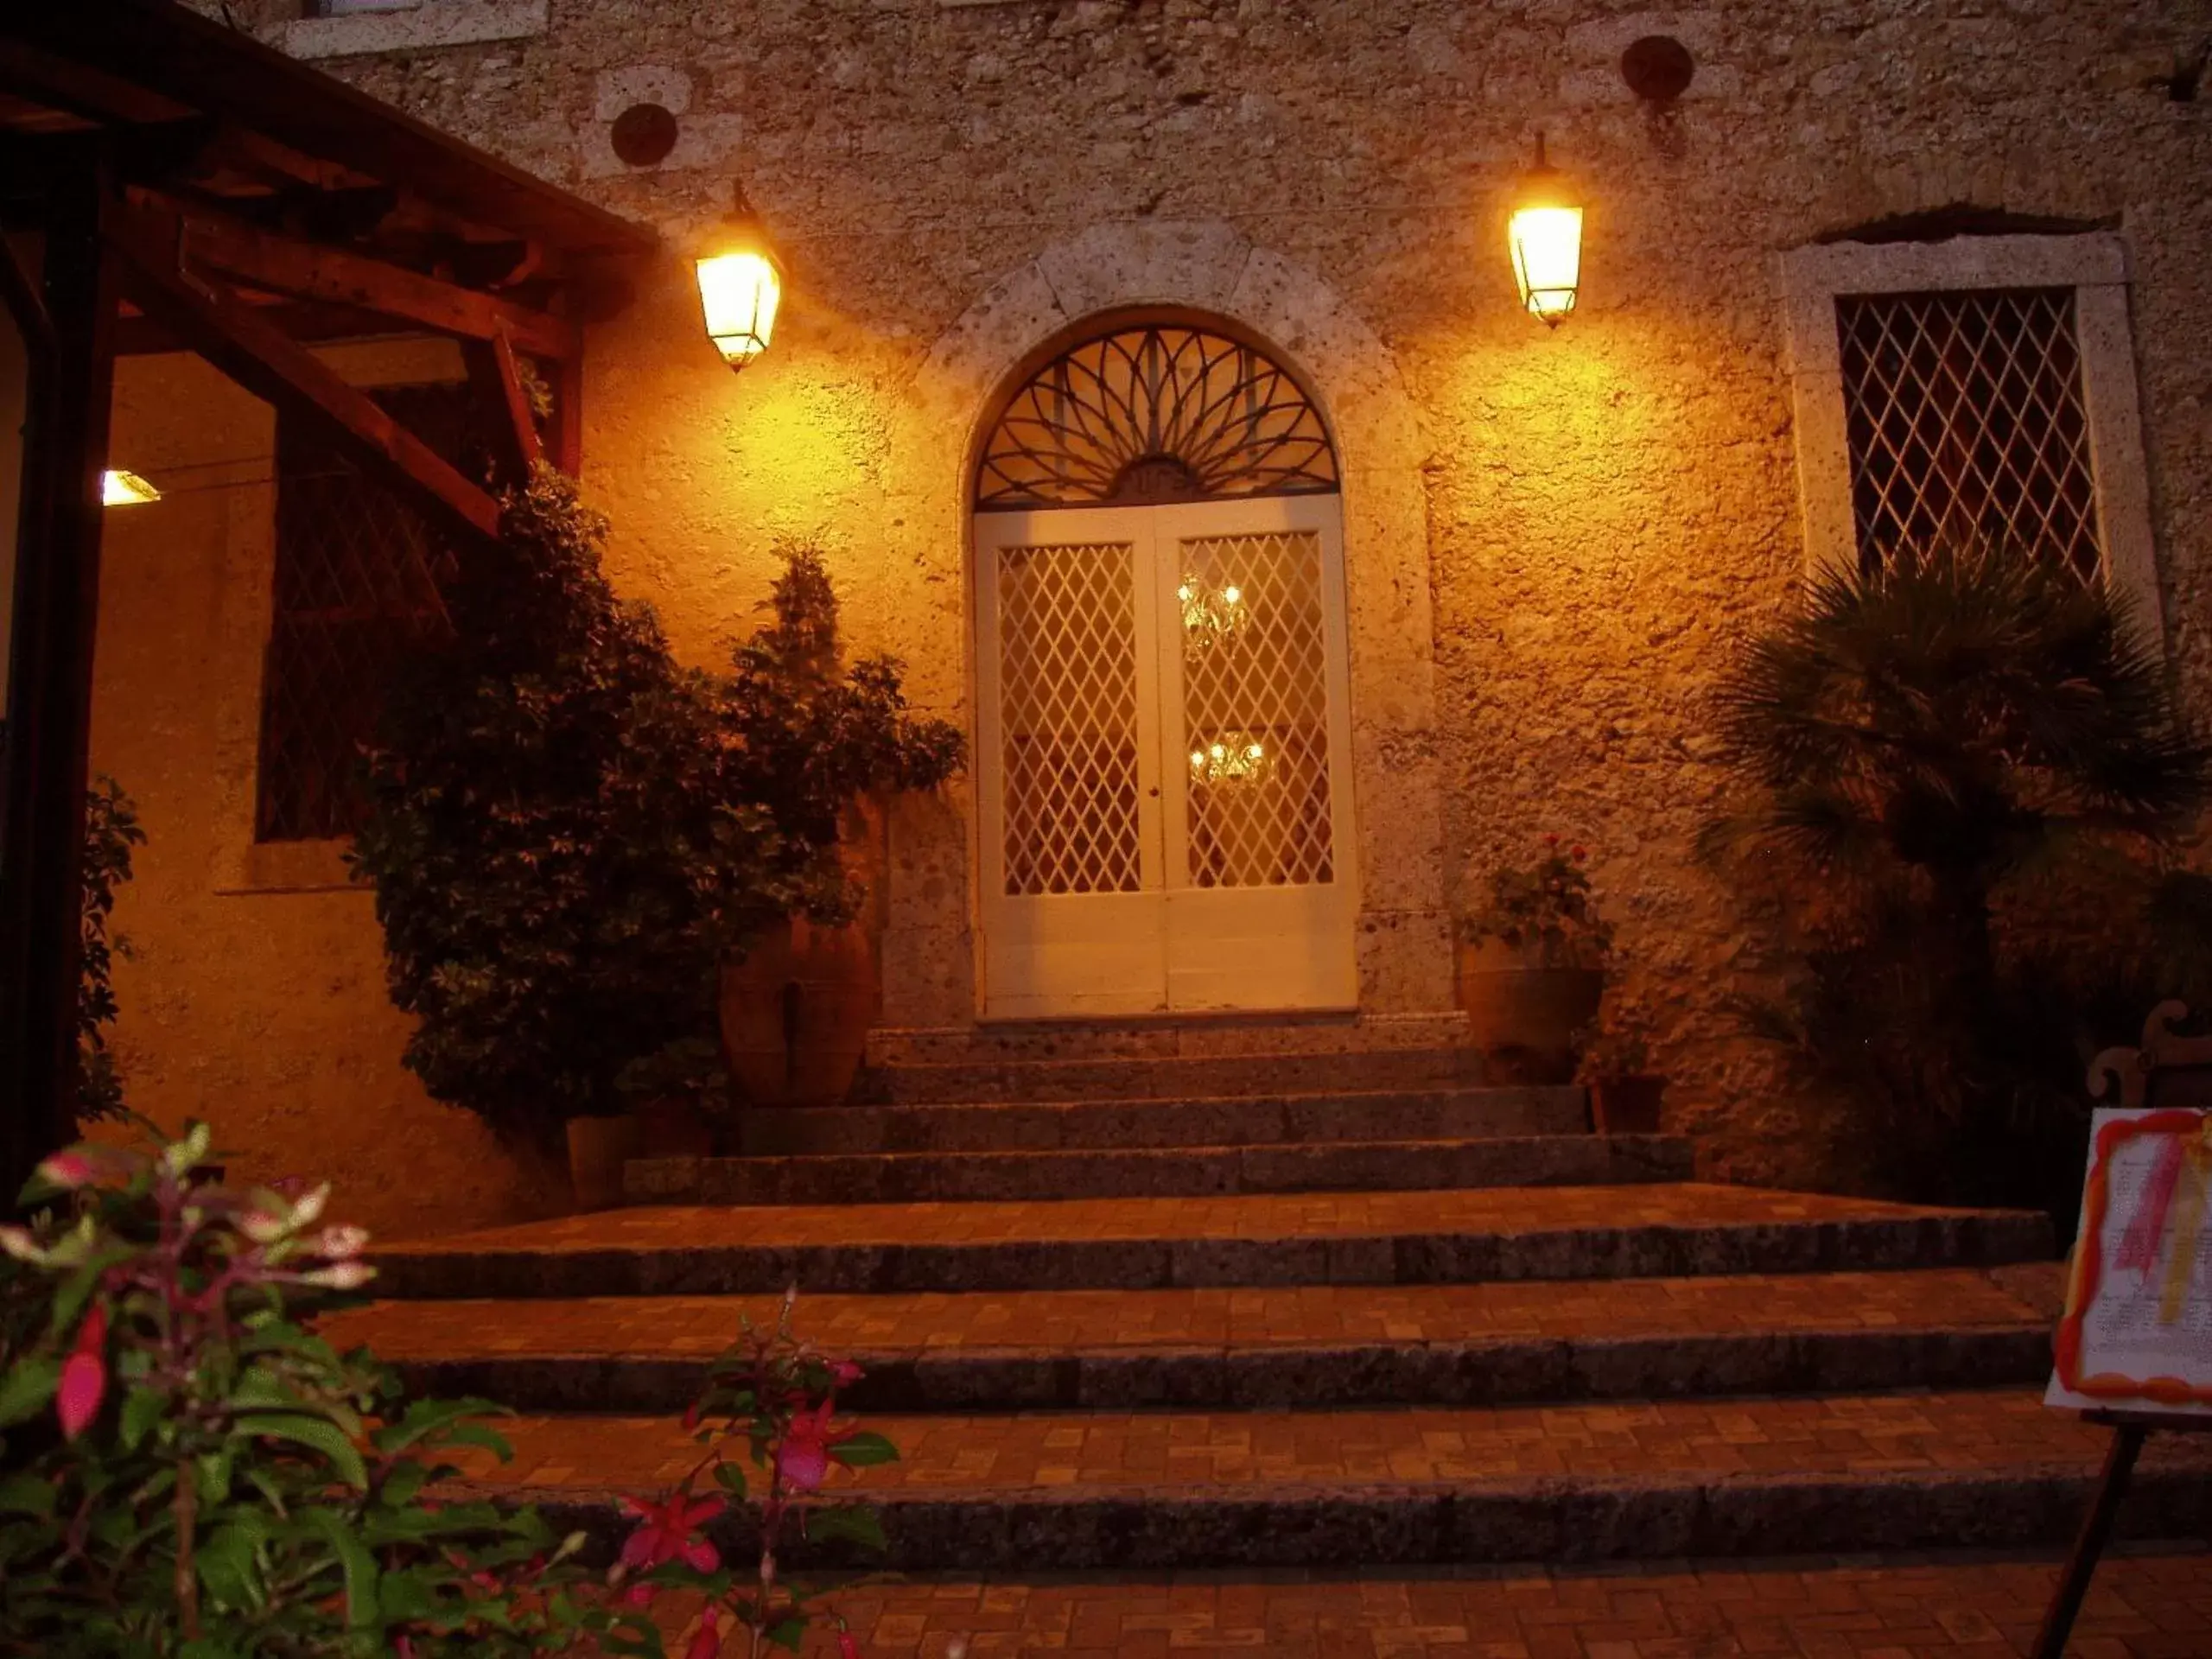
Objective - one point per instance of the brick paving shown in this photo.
(1872, 1436)
(1506, 1211)
(1245, 1317)
(2142, 1606)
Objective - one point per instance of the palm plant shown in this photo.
(1942, 721)
(1925, 732)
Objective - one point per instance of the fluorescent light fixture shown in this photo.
(121, 489)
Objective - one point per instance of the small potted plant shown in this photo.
(1625, 1091)
(1532, 966)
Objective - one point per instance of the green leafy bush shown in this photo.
(562, 850)
(1925, 759)
(568, 833)
(192, 1471)
(808, 738)
(111, 831)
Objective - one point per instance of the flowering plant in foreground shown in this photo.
(771, 1405)
(190, 1471)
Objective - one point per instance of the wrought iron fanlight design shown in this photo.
(1152, 413)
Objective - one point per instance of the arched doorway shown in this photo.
(1164, 728)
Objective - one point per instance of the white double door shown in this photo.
(1163, 744)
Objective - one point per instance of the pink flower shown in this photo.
(803, 1459)
(664, 1530)
(843, 1373)
(709, 1642)
(84, 1376)
(81, 1166)
(847, 1648)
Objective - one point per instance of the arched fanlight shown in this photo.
(741, 284)
(1546, 235)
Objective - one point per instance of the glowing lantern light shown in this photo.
(1546, 234)
(741, 284)
(120, 489)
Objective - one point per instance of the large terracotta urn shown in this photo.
(795, 1011)
(1528, 1017)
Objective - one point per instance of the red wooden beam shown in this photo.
(307, 271)
(279, 370)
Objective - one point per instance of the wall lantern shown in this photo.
(741, 283)
(119, 489)
(1546, 234)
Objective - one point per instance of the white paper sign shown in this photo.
(2136, 1333)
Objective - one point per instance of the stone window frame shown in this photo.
(2095, 265)
(421, 26)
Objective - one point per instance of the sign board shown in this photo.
(2136, 1333)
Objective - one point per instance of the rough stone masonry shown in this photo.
(1568, 533)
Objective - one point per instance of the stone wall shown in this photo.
(1604, 511)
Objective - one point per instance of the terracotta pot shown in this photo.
(674, 1128)
(598, 1147)
(1526, 1018)
(795, 1012)
(1626, 1105)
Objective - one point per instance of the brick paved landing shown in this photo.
(1306, 1345)
(1953, 1606)
(1665, 1229)
(1650, 1480)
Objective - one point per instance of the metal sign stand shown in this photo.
(2129, 1429)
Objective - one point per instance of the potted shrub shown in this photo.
(816, 745)
(1532, 966)
(561, 839)
(1624, 1092)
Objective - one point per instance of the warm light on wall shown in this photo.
(120, 489)
(741, 284)
(1546, 235)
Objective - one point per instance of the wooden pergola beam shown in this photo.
(277, 369)
(331, 276)
(498, 382)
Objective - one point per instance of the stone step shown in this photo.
(1658, 1231)
(1657, 1481)
(1308, 1346)
(1257, 1119)
(1179, 1172)
(2144, 1603)
(1206, 1035)
(1169, 1077)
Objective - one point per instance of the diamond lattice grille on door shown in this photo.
(1068, 708)
(1256, 711)
(1965, 418)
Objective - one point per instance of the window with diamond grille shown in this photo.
(1068, 700)
(1151, 414)
(1965, 419)
(1255, 713)
(356, 584)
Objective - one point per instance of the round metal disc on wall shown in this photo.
(1658, 68)
(644, 135)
